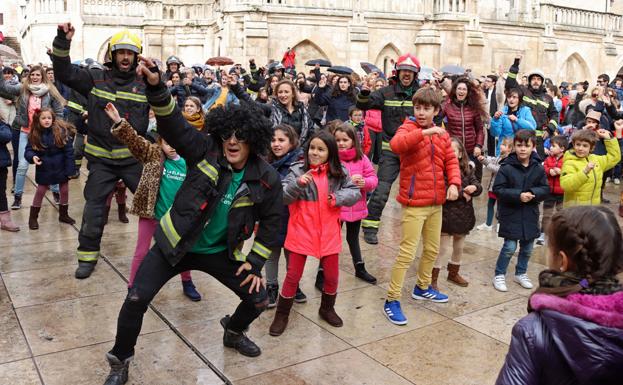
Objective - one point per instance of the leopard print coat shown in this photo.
(152, 157)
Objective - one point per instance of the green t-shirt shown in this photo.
(173, 176)
(213, 239)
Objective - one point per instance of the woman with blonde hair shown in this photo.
(34, 93)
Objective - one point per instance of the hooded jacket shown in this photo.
(464, 123)
(580, 188)
(519, 220)
(362, 167)
(503, 127)
(124, 89)
(314, 228)
(574, 340)
(426, 163)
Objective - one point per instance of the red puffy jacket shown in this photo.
(425, 164)
(373, 121)
(553, 181)
(464, 123)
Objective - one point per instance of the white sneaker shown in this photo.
(541, 239)
(497, 228)
(524, 281)
(484, 226)
(617, 181)
(608, 180)
(499, 283)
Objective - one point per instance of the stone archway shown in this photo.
(574, 69)
(307, 50)
(385, 58)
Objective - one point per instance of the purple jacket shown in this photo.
(364, 168)
(572, 340)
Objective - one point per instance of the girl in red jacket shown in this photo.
(553, 168)
(363, 175)
(315, 190)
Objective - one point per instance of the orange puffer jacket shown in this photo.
(426, 162)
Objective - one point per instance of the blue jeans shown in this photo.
(22, 166)
(508, 249)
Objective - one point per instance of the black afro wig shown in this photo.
(247, 120)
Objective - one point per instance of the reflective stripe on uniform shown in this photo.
(60, 52)
(118, 95)
(103, 94)
(99, 152)
(164, 110)
(554, 122)
(544, 104)
(75, 106)
(260, 250)
(87, 256)
(169, 230)
(539, 133)
(131, 96)
(371, 224)
(239, 256)
(385, 146)
(398, 103)
(208, 169)
(243, 202)
(512, 75)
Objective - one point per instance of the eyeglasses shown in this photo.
(238, 136)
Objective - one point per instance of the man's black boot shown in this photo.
(239, 341)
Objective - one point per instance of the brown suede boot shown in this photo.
(433, 281)
(32, 219)
(281, 316)
(123, 218)
(6, 223)
(63, 215)
(454, 276)
(327, 310)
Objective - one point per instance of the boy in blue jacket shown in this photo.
(520, 185)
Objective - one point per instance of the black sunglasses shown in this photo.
(237, 135)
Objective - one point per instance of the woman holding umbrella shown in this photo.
(338, 99)
(464, 114)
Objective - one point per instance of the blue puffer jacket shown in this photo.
(5, 137)
(504, 128)
(518, 220)
(57, 163)
(283, 167)
(337, 106)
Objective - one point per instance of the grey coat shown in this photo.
(21, 118)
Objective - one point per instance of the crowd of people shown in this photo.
(288, 158)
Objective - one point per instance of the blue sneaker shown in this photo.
(393, 312)
(429, 294)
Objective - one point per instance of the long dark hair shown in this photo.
(350, 92)
(591, 238)
(349, 130)
(61, 130)
(335, 166)
(464, 161)
(474, 96)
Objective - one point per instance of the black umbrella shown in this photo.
(369, 68)
(320, 62)
(341, 70)
(452, 69)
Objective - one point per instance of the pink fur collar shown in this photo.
(605, 310)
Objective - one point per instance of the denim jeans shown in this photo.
(22, 167)
(508, 249)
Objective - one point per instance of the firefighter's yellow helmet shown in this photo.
(124, 40)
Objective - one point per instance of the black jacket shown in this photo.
(541, 104)
(124, 89)
(76, 106)
(258, 199)
(5, 137)
(518, 220)
(395, 103)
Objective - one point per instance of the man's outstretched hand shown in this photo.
(144, 70)
(68, 29)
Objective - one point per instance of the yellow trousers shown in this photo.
(424, 222)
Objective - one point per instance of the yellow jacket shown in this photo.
(585, 189)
